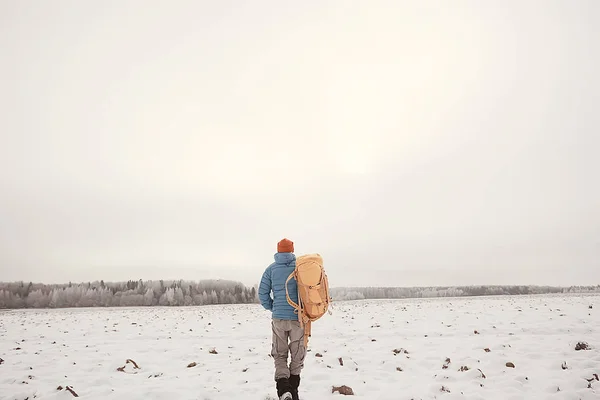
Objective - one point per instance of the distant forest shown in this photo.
(125, 294)
(362, 293)
(206, 292)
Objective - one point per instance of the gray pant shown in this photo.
(282, 331)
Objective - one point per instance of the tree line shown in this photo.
(125, 294)
(360, 293)
(206, 292)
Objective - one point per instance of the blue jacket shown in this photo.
(273, 279)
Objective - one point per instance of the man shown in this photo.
(285, 325)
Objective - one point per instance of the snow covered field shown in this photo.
(434, 340)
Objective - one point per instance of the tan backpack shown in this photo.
(313, 291)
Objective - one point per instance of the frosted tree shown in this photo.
(149, 297)
(37, 299)
(178, 297)
(5, 299)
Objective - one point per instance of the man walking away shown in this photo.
(288, 335)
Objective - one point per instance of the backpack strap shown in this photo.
(287, 293)
(305, 322)
(328, 300)
(307, 333)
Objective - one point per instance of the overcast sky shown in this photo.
(410, 143)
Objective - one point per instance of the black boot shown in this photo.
(294, 383)
(283, 387)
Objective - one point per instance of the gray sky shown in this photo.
(410, 143)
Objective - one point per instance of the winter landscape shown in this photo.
(156, 157)
(517, 347)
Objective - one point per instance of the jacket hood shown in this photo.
(284, 258)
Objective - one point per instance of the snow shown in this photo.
(83, 348)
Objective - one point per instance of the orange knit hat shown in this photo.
(285, 246)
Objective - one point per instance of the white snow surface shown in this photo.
(82, 349)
